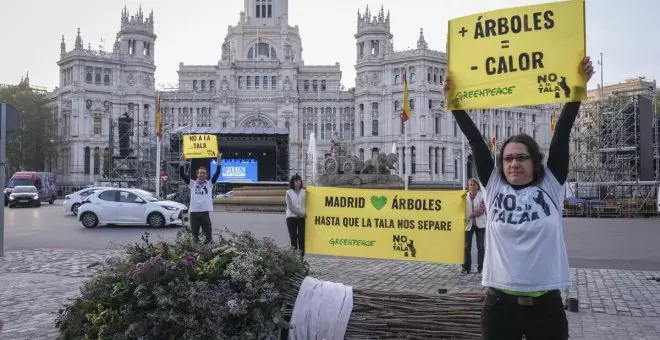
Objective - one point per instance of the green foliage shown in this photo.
(29, 146)
(231, 289)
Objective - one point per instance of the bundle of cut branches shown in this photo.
(399, 315)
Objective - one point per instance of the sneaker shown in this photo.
(465, 271)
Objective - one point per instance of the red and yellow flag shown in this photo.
(159, 120)
(405, 114)
(553, 122)
(493, 142)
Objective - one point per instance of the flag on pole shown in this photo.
(553, 122)
(159, 119)
(405, 114)
(493, 142)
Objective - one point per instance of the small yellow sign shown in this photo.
(200, 146)
(518, 56)
(386, 224)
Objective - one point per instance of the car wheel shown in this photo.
(52, 201)
(89, 220)
(74, 208)
(156, 220)
(38, 204)
(10, 206)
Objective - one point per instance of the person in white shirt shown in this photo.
(201, 199)
(295, 213)
(475, 211)
(526, 264)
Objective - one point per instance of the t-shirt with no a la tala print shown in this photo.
(201, 196)
(525, 248)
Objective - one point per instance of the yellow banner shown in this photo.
(386, 224)
(518, 56)
(200, 146)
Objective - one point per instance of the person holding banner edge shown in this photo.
(201, 199)
(295, 213)
(526, 263)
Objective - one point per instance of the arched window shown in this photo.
(87, 160)
(396, 105)
(361, 154)
(273, 82)
(88, 75)
(106, 80)
(322, 85)
(374, 153)
(413, 162)
(374, 127)
(361, 128)
(97, 160)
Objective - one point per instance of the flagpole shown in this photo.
(405, 148)
(158, 141)
(159, 133)
(464, 167)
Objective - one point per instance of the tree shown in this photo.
(32, 145)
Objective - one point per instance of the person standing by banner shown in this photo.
(475, 211)
(526, 262)
(295, 213)
(201, 198)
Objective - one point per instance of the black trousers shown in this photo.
(508, 317)
(481, 249)
(201, 220)
(296, 227)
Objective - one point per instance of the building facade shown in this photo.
(261, 80)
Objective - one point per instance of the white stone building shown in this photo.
(261, 80)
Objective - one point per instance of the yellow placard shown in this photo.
(386, 224)
(518, 56)
(200, 146)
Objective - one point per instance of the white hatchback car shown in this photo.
(129, 206)
(72, 201)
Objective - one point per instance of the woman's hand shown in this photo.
(587, 67)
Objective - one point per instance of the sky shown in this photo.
(192, 31)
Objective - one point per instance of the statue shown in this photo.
(344, 169)
(225, 50)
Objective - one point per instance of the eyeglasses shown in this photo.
(519, 158)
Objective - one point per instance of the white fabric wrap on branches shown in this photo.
(322, 311)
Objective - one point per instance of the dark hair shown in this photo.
(534, 153)
(200, 168)
(293, 180)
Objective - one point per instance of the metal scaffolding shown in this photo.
(615, 150)
(130, 159)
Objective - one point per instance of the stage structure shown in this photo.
(615, 157)
(130, 159)
(267, 147)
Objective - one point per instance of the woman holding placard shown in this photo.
(526, 264)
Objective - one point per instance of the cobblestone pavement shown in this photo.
(614, 304)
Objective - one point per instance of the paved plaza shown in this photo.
(38, 279)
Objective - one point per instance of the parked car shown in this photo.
(73, 201)
(129, 206)
(24, 195)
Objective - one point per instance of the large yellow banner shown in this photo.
(386, 224)
(200, 146)
(518, 56)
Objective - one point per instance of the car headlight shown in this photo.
(36, 197)
(11, 197)
(169, 208)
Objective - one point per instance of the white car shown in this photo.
(129, 206)
(72, 201)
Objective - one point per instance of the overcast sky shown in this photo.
(192, 31)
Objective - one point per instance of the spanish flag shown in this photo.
(405, 114)
(159, 120)
(493, 142)
(553, 122)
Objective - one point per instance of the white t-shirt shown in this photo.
(201, 196)
(525, 248)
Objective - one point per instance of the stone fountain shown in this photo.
(343, 169)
